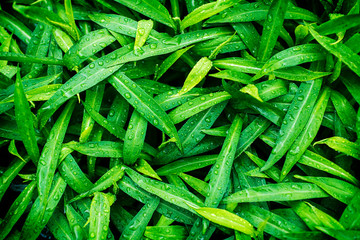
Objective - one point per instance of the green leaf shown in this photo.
(336, 188)
(86, 47)
(136, 227)
(173, 232)
(347, 56)
(219, 178)
(168, 192)
(152, 9)
(206, 11)
(292, 57)
(226, 219)
(169, 61)
(49, 157)
(197, 73)
(305, 138)
(144, 28)
(99, 216)
(342, 145)
(38, 13)
(294, 120)
(145, 168)
(277, 192)
(273, 22)
(250, 66)
(145, 105)
(258, 11)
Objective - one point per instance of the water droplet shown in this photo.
(141, 31)
(91, 65)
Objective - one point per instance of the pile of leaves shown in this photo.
(154, 119)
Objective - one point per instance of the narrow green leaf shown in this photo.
(197, 105)
(134, 138)
(206, 11)
(336, 188)
(339, 50)
(59, 226)
(13, 150)
(219, 178)
(274, 224)
(169, 61)
(152, 9)
(145, 168)
(86, 47)
(73, 175)
(257, 11)
(136, 227)
(303, 141)
(325, 219)
(70, 17)
(98, 149)
(93, 98)
(99, 216)
(165, 208)
(292, 57)
(15, 26)
(123, 25)
(145, 105)
(50, 154)
(17, 208)
(197, 73)
(18, 57)
(350, 217)
(277, 192)
(250, 66)
(38, 13)
(171, 44)
(186, 165)
(86, 78)
(144, 28)
(295, 120)
(173, 232)
(5, 47)
(226, 219)
(273, 22)
(40, 214)
(342, 145)
(10, 173)
(170, 193)
(344, 109)
(314, 160)
(340, 234)
(197, 184)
